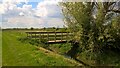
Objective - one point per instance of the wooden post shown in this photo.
(55, 36)
(48, 36)
(35, 36)
(43, 36)
(67, 35)
(61, 36)
(27, 35)
(31, 35)
(39, 36)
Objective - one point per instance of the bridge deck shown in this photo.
(57, 41)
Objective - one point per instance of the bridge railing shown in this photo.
(50, 36)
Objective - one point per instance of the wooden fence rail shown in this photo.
(50, 37)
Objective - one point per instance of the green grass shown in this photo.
(60, 48)
(0, 48)
(16, 53)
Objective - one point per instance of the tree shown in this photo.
(44, 28)
(53, 28)
(95, 25)
(31, 28)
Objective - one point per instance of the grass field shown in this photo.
(0, 48)
(16, 53)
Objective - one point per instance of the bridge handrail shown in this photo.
(45, 32)
(49, 35)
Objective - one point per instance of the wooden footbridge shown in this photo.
(50, 37)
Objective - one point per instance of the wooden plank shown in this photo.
(43, 32)
(50, 36)
(53, 41)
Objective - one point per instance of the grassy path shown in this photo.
(15, 53)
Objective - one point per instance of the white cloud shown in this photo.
(27, 7)
(41, 10)
(9, 5)
(46, 14)
(48, 9)
(11, 10)
(23, 22)
(5, 7)
(33, 22)
(12, 7)
(27, 10)
(21, 14)
(2, 10)
(15, 1)
(49, 2)
(54, 22)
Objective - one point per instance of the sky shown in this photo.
(31, 13)
(26, 14)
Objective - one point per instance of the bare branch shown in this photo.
(112, 7)
(116, 11)
(96, 5)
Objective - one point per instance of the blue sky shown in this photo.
(42, 13)
(34, 4)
